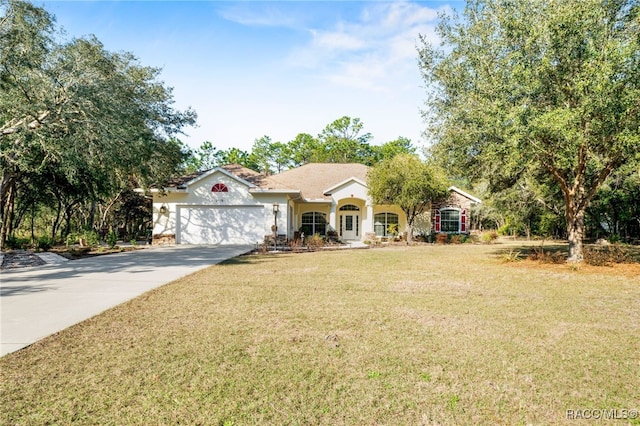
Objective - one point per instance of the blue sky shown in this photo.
(255, 68)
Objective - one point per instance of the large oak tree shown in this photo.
(87, 119)
(539, 88)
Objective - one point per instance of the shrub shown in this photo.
(422, 238)
(504, 229)
(14, 242)
(474, 238)
(442, 238)
(615, 238)
(112, 238)
(538, 254)
(295, 244)
(607, 255)
(43, 244)
(71, 239)
(315, 241)
(458, 239)
(91, 238)
(511, 256)
(489, 237)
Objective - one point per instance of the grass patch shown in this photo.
(404, 335)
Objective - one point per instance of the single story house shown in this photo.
(235, 205)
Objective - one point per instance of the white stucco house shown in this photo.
(235, 205)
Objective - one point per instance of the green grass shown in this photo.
(400, 335)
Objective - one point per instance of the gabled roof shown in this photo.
(240, 173)
(329, 191)
(465, 194)
(313, 179)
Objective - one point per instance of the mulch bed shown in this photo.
(24, 258)
(20, 259)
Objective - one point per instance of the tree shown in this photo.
(392, 148)
(406, 181)
(92, 119)
(262, 155)
(304, 149)
(535, 88)
(615, 210)
(341, 142)
(237, 156)
(204, 158)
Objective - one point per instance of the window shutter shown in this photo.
(436, 220)
(463, 221)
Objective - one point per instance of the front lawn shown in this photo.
(400, 335)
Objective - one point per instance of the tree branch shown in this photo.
(11, 128)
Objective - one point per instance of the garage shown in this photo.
(220, 224)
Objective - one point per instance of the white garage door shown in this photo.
(220, 225)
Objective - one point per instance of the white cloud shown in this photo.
(373, 50)
(336, 40)
(263, 15)
(362, 65)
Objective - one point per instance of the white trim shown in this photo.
(317, 201)
(257, 190)
(465, 194)
(459, 210)
(224, 172)
(170, 189)
(344, 182)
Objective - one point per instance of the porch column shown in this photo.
(367, 224)
(332, 217)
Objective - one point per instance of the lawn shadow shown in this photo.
(554, 252)
(132, 262)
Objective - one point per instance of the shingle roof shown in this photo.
(314, 178)
(242, 172)
(311, 179)
(180, 181)
(251, 176)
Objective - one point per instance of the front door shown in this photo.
(349, 226)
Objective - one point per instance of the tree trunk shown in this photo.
(6, 220)
(575, 232)
(409, 231)
(92, 214)
(56, 221)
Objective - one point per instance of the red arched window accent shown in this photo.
(219, 187)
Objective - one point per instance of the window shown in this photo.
(219, 187)
(349, 207)
(382, 222)
(314, 223)
(450, 220)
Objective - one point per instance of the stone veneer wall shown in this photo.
(454, 200)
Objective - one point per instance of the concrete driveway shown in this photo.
(39, 301)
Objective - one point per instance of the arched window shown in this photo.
(314, 223)
(219, 187)
(381, 222)
(349, 207)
